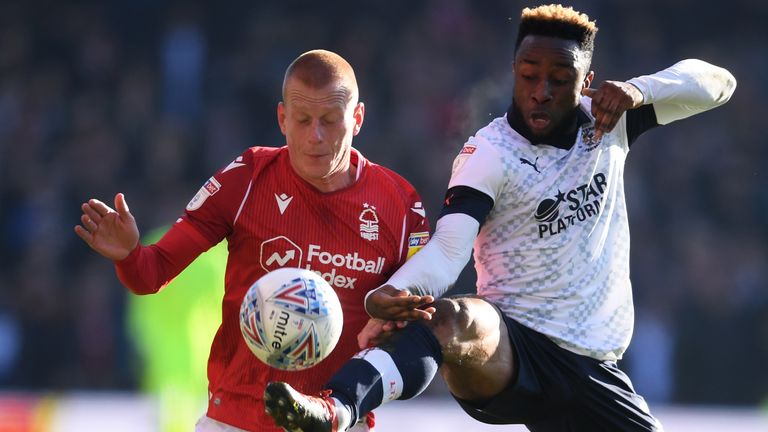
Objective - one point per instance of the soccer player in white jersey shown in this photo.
(539, 194)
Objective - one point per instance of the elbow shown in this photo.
(716, 83)
(143, 290)
(728, 87)
(721, 83)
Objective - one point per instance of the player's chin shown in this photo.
(541, 127)
(317, 169)
(541, 135)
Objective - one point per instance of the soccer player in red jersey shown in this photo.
(315, 203)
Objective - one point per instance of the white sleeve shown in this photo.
(686, 88)
(435, 268)
(479, 166)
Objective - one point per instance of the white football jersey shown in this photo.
(554, 250)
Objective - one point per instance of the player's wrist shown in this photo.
(130, 257)
(642, 89)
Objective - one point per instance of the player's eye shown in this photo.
(330, 120)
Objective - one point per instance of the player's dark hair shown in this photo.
(558, 21)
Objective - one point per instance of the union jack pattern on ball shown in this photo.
(291, 318)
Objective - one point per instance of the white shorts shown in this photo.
(207, 424)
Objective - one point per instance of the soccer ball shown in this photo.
(291, 318)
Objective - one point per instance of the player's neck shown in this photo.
(336, 181)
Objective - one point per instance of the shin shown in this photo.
(400, 369)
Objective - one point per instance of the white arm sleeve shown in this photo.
(435, 268)
(686, 88)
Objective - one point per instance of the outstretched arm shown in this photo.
(428, 274)
(142, 269)
(686, 88)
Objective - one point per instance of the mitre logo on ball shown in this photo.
(291, 318)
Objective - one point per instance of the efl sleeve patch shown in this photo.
(209, 189)
(478, 166)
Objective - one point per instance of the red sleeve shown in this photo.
(417, 228)
(417, 224)
(149, 268)
(214, 209)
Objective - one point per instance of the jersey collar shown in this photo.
(357, 160)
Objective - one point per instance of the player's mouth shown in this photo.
(539, 120)
(317, 157)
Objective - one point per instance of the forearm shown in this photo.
(148, 268)
(687, 88)
(435, 268)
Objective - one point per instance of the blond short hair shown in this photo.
(319, 68)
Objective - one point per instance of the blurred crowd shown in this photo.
(151, 97)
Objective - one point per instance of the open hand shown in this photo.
(376, 331)
(391, 304)
(112, 233)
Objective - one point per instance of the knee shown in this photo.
(462, 320)
(451, 314)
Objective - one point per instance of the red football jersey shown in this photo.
(355, 238)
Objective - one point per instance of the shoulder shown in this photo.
(497, 129)
(385, 180)
(263, 155)
(239, 172)
(497, 137)
(253, 159)
(492, 145)
(386, 177)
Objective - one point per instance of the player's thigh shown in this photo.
(477, 354)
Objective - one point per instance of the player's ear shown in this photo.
(281, 116)
(588, 80)
(359, 115)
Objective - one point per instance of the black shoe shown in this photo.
(297, 412)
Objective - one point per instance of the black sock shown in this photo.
(415, 354)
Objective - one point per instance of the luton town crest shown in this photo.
(588, 141)
(369, 223)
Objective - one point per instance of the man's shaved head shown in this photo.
(319, 68)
